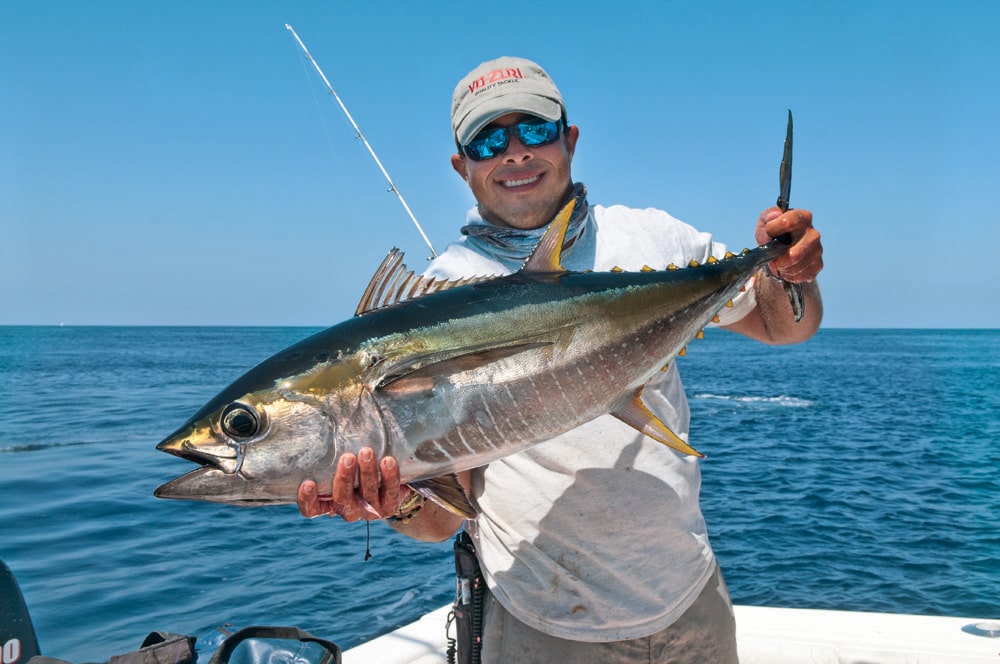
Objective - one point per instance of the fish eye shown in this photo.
(240, 421)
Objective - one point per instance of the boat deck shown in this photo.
(768, 635)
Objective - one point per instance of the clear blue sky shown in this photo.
(181, 163)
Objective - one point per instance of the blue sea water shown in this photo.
(857, 471)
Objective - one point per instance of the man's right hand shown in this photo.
(364, 489)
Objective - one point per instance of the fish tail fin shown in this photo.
(447, 492)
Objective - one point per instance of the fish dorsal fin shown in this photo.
(393, 283)
(635, 414)
(547, 253)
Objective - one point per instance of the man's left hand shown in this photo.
(804, 258)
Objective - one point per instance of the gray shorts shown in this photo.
(705, 633)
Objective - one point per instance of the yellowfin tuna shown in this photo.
(448, 376)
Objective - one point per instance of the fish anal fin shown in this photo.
(635, 414)
(449, 493)
(548, 252)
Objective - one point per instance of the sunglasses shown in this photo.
(531, 132)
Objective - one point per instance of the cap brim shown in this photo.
(489, 111)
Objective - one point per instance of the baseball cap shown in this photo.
(501, 86)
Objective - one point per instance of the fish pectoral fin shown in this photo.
(425, 376)
(449, 493)
(635, 414)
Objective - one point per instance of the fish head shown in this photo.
(256, 447)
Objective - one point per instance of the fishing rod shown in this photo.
(392, 186)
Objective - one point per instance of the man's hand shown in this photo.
(773, 321)
(804, 258)
(364, 489)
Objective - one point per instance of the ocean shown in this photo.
(857, 471)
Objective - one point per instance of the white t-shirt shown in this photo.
(597, 535)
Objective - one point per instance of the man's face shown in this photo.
(523, 187)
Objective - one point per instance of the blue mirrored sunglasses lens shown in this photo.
(537, 133)
(487, 144)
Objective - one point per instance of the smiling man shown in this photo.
(593, 544)
(531, 182)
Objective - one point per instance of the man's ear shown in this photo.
(572, 134)
(458, 163)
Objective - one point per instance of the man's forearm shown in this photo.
(772, 321)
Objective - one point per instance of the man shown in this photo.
(592, 544)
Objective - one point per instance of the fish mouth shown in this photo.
(211, 485)
(181, 446)
(217, 478)
(178, 487)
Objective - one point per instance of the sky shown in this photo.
(182, 163)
